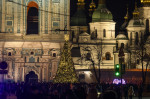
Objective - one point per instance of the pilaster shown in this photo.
(3, 15)
(15, 16)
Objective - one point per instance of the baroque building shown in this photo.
(27, 41)
(32, 36)
(98, 41)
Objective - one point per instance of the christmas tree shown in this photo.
(66, 72)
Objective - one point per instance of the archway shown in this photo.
(32, 18)
(31, 77)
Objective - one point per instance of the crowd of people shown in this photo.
(69, 91)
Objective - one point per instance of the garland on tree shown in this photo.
(66, 72)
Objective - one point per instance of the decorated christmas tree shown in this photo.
(66, 72)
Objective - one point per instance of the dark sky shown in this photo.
(118, 8)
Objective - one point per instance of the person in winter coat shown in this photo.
(130, 92)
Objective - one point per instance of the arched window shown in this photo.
(32, 53)
(137, 38)
(9, 54)
(131, 38)
(54, 54)
(88, 56)
(107, 56)
(25, 59)
(104, 32)
(117, 45)
(32, 18)
(147, 25)
(122, 45)
(38, 59)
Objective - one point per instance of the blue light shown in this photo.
(118, 81)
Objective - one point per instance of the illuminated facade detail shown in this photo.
(28, 40)
(145, 1)
(92, 7)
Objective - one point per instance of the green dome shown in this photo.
(101, 14)
(79, 18)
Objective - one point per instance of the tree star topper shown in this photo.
(67, 37)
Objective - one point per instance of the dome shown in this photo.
(101, 14)
(121, 36)
(135, 23)
(79, 18)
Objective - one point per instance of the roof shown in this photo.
(101, 14)
(121, 36)
(135, 23)
(79, 18)
(75, 52)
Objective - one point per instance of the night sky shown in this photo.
(118, 8)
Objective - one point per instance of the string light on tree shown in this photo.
(66, 72)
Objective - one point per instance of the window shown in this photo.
(122, 45)
(32, 18)
(107, 56)
(88, 56)
(131, 38)
(25, 59)
(136, 39)
(147, 26)
(54, 54)
(104, 32)
(38, 59)
(9, 54)
(32, 53)
(9, 23)
(117, 45)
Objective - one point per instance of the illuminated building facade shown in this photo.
(30, 42)
(101, 44)
(27, 40)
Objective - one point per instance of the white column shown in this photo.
(43, 74)
(23, 74)
(16, 71)
(10, 68)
